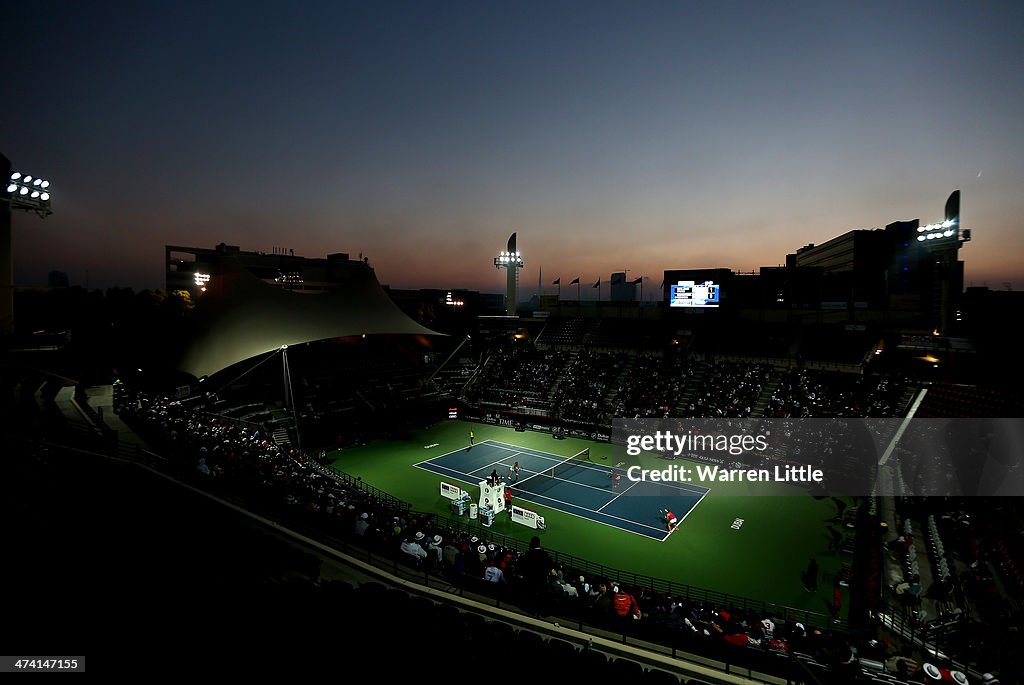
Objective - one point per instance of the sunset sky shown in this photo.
(643, 135)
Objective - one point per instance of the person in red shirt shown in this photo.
(670, 519)
(508, 500)
(624, 604)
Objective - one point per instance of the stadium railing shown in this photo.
(635, 580)
(384, 498)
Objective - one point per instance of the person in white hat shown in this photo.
(413, 549)
(361, 525)
(434, 547)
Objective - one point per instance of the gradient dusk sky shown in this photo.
(639, 135)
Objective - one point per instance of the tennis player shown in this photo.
(670, 519)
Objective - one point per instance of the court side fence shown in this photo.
(358, 483)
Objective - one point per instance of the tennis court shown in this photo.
(572, 484)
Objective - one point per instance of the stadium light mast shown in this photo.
(28, 193)
(512, 261)
(941, 242)
(289, 397)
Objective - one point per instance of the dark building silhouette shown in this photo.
(621, 289)
(189, 268)
(57, 279)
(906, 273)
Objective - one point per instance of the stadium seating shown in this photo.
(815, 393)
(946, 400)
(565, 332)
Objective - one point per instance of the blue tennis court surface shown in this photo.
(574, 486)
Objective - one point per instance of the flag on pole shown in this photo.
(597, 285)
(575, 281)
(558, 281)
(639, 280)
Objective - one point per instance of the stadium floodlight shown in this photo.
(15, 195)
(940, 230)
(26, 192)
(511, 260)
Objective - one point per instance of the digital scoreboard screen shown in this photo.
(694, 294)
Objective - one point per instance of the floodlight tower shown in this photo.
(28, 193)
(512, 261)
(941, 242)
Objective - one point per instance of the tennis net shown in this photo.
(570, 465)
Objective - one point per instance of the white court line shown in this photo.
(446, 454)
(500, 461)
(593, 520)
(546, 474)
(569, 504)
(690, 511)
(440, 456)
(562, 460)
(455, 475)
(563, 511)
(685, 487)
(697, 504)
(635, 483)
(564, 480)
(535, 474)
(534, 453)
(482, 468)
